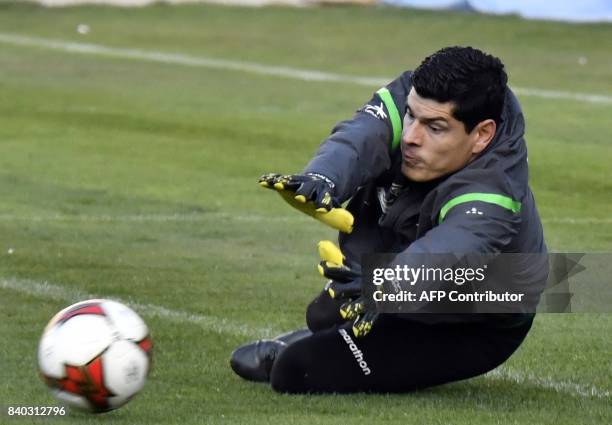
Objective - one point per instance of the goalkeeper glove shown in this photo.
(312, 194)
(344, 281)
(363, 319)
(310, 187)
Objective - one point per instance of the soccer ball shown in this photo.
(95, 355)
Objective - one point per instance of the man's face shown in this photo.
(434, 143)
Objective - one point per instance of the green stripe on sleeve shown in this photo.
(396, 121)
(490, 198)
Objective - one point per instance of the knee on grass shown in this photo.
(289, 371)
(323, 313)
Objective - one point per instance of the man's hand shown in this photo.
(363, 319)
(344, 282)
(310, 187)
(312, 194)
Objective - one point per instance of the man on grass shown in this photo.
(434, 163)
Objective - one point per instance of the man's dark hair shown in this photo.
(473, 80)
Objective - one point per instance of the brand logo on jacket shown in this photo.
(376, 111)
(473, 211)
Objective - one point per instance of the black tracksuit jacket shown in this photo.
(362, 157)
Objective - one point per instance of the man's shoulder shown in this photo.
(472, 191)
(400, 86)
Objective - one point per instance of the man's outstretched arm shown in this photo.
(359, 150)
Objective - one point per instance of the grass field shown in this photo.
(136, 179)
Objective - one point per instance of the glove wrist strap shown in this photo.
(330, 183)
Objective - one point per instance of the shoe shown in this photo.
(254, 361)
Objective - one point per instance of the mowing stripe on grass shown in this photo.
(215, 324)
(46, 290)
(157, 218)
(201, 217)
(252, 67)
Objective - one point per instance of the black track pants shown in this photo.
(398, 355)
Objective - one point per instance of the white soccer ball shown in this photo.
(95, 355)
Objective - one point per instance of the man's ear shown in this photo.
(483, 133)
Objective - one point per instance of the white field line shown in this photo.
(530, 379)
(45, 290)
(202, 217)
(578, 220)
(252, 67)
(565, 95)
(187, 60)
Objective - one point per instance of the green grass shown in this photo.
(89, 145)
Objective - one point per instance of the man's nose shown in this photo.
(413, 134)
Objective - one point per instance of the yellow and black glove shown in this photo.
(345, 283)
(312, 194)
(363, 319)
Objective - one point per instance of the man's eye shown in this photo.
(435, 129)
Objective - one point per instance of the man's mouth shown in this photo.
(410, 159)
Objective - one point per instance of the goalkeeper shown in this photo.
(434, 163)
